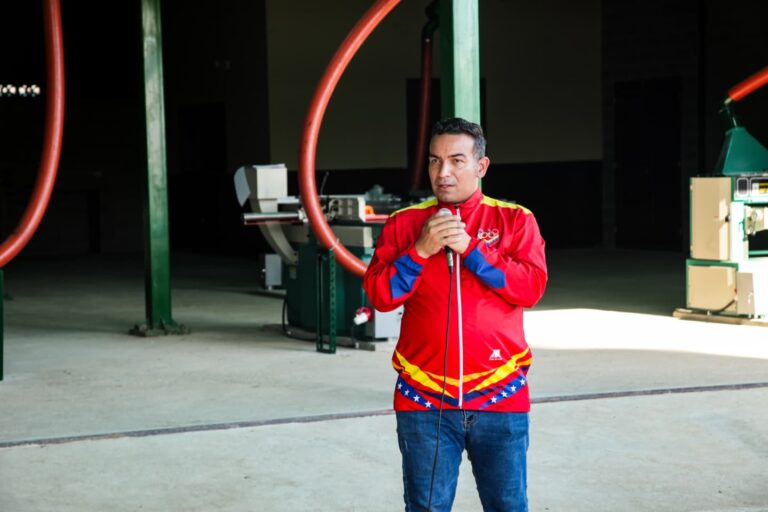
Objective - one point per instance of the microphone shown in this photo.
(448, 251)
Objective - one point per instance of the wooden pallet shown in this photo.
(688, 314)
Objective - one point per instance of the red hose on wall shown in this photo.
(54, 129)
(749, 85)
(312, 123)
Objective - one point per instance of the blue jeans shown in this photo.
(496, 443)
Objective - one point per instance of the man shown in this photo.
(462, 357)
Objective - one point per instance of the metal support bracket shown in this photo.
(2, 323)
(326, 259)
(162, 329)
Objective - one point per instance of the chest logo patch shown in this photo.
(495, 355)
(489, 236)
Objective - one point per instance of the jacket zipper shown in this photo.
(461, 330)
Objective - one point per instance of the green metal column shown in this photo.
(2, 323)
(460, 59)
(157, 253)
(326, 259)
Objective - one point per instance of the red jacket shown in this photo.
(502, 271)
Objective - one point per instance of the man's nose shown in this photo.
(445, 170)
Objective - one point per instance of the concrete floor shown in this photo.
(634, 410)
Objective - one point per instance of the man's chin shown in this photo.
(450, 197)
(446, 196)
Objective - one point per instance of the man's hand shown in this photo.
(442, 231)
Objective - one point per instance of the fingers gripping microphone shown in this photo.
(448, 251)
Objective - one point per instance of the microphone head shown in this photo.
(444, 211)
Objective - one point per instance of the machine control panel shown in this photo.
(751, 187)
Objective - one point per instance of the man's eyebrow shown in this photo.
(432, 155)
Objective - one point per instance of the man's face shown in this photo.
(453, 169)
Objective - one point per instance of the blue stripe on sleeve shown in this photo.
(407, 271)
(490, 275)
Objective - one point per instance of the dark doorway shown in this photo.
(647, 164)
(199, 178)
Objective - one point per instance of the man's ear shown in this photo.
(482, 168)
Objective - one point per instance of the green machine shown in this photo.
(727, 271)
(320, 296)
(316, 290)
(321, 299)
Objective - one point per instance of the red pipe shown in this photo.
(54, 130)
(749, 85)
(417, 167)
(308, 151)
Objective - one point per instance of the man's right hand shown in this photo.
(439, 231)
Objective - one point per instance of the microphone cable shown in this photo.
(442, 395)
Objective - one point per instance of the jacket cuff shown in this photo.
(471, 247)
(415, 256)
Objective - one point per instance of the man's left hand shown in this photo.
(460, 243)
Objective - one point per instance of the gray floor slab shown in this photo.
(604, 328)
(672, 453)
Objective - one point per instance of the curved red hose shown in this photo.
(54, 130)
(749, 85)
(417, 167)
(308, 151)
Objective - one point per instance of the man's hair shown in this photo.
(459, 126)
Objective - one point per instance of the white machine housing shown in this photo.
(283, 223)
(723, 276)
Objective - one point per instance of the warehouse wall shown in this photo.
(541, 101)
(666, 70)
(540, 63)
(597, 112)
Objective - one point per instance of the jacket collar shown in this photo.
(466, 206)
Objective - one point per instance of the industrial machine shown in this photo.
(727, 272)
(344, 228)
(320, 298)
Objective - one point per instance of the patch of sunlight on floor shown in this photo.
(590, 329)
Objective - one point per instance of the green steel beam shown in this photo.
(2, 323)
(460, 59)
(332, 295)
(326, 258)
(157, 253)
